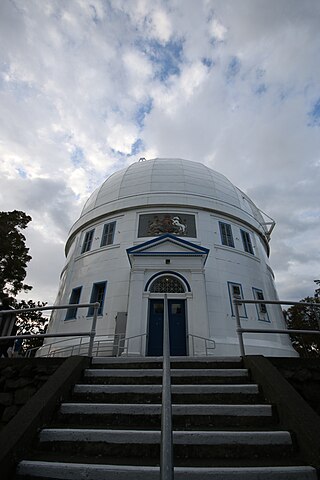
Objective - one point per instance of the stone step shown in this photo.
(185, 416)
(153, 436)
(76, 471)
(154, 376)
(175, 372)
(183, 389)
(187, 444)
(177, 409)
(243, 393)
(176, 362)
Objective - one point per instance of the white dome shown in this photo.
(169, 181)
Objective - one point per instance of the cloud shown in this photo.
(88, 87)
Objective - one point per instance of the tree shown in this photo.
(30, 323)
(14, 257)
(13, 252)
(305, 318)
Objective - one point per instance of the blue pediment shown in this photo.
(166, 245)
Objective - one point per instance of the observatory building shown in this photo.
(177, 227)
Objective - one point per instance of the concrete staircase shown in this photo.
(223, 428)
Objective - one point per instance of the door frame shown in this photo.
(170, 296)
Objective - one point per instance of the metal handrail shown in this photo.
(206, 340)
(108, 340)
(166, 447)
(238, 301)
(49, 345)
(91, 334)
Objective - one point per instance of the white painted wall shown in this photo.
(208, 305)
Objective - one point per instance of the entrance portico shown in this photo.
(166, 264)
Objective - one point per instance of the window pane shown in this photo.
(87, 241)
(74, 298)
(226, 234)
(97, 295)
(236, 290)
(158, 308)
(176, 308)
(246, 240)
(108, 234)
(261, 307)
(167, 284)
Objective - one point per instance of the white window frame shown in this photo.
(107, 236)
(87, 242)
(226, 234)
(239, 295)
(261, 308)
(246, 241)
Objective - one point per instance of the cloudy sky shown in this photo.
(89, 86)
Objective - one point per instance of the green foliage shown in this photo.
(13, 252)
(30, 322)
(13, 263)
(305, 318)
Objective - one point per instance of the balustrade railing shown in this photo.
(199, 346)
(237, 302)
(91, 334)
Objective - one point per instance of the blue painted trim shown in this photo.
(67, 318)
(92, 299)
(167, 272)
(230, 298)
(192, 254)
(267, 319)
(166, 236)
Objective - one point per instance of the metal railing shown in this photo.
(240, 331)
(110, 345)
(209, 344)
(91, 334)
(166, 447)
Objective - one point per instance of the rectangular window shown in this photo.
(261, 307)
(246, 240)
(74, 298)
(97, 295)
(108, 234)
(226, 234)
(235, 291)
(86, 246)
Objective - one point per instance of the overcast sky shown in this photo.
(89, 86)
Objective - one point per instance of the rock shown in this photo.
(18, 383)
(287, 373)
(22, 396)
(8, 372)
(316, 375)
(6, 399)
(27, 370)
(9, 412)
(302, 375)
(311, 391)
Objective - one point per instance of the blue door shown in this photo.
(177, 327)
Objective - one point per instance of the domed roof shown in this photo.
(169, 181)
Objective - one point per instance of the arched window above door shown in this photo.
(167, 284)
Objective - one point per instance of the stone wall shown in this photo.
(20, 378)
(304, 375)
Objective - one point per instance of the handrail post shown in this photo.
(93, 328)
(239, 332)
(166, 451)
